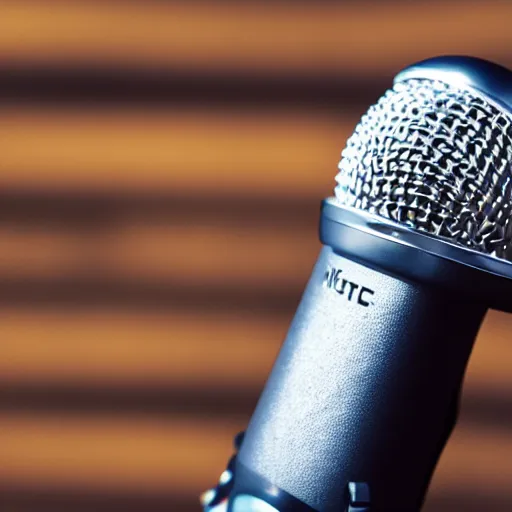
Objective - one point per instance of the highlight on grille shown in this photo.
(436, 158)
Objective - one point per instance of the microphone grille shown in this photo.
(436, 158)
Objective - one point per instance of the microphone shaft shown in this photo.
(365, 389)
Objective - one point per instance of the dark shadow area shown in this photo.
(74, 209)
(202, 403)
(106, 86)
(469, 500)
(33, 500)
(319, 3)
(486, 409)
(100, 292)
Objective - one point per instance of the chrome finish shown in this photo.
(403, 235)
(435, 154)
(246, 503)
(488, 78)
(418, 256)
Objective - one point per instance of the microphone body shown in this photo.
(365, 390)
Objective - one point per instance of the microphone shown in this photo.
(417, 244)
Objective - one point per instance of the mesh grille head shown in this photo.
(436, 158)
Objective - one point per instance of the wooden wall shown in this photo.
(161, 167)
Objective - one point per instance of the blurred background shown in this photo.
(161, 169)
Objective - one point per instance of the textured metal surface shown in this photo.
(435, 158)
(364, 388)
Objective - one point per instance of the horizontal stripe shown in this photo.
(82, 212)
(143, 455)
(33, 83)
(179, 348)
(200, 256)
(145, 350)
(228, 396)
(157, 355)
(483, 406)
(476, 458)
(108, 455)
(34, 499)
(468, 499)
(221, 397)
(185, 152)
(94, 293)
(314, 36)
(489, 366)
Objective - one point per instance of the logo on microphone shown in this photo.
(353, 292)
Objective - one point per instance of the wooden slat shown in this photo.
(107, 454)
(184, 151)
(116, 348)
(490, 365)
(106, 349)
(186, 254)
(475, 459)
(315, 36)
(80, 84)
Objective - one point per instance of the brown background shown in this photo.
(161, 167)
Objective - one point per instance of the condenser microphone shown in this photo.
(417, 246)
